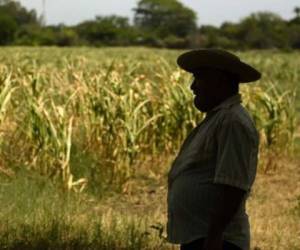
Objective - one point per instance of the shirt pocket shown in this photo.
(205, 145)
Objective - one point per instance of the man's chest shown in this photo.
(201, 143)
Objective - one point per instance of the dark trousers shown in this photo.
(198, 244)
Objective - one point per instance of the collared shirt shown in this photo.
(223, 149)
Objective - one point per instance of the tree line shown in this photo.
(157, 23)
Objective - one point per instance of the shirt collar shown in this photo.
(232, 100)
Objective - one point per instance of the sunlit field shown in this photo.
(88, 136)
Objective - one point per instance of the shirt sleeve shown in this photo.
(236, 165)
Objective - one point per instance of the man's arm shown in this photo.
(226, 208)
(233, 175)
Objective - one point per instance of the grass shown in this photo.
(36, 214)
(274, 209)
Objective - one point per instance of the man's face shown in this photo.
(208, 86)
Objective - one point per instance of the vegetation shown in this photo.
(81, 103)
(35, 214)
(164, 21)
(157, 23)
(83, 127)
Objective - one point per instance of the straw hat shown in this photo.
(219, 59)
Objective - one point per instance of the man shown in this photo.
(211, 178)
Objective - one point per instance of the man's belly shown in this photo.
(191, 197)
(191, 205)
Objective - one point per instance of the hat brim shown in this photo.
(197, 59)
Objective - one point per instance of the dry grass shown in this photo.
(273, 207)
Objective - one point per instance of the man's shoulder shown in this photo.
(238, 114)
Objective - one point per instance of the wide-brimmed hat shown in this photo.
(194, 60)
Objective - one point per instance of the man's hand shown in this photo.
(213, 244)
(226, 207)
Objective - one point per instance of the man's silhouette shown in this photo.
(212, 175)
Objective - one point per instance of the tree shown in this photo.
(14, 18)
(109, 30)
(8, 28)
(165, 18)
(296, 19)
(297, 12)
(19, 13)
(263, 30)
(65, 36)
(294, 36)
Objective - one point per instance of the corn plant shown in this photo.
(121, 106)
(274, 113)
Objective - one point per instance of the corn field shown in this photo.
(118, 106)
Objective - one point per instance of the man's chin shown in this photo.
(200, 107)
